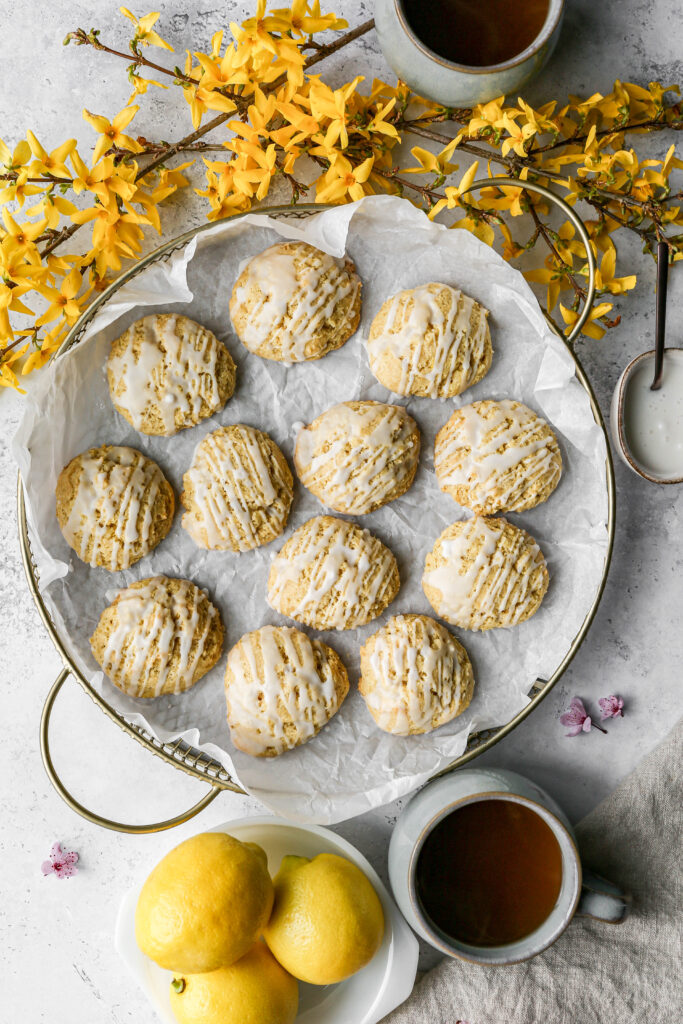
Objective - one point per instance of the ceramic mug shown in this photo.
(459, 85)
(580, 893)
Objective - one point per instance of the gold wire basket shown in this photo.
(180, 754)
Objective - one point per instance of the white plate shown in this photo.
(365, 998)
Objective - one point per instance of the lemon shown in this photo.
(205, 904)
(255, 990)
(327, 920)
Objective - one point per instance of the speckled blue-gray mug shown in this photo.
(450, 83)
(580, 893)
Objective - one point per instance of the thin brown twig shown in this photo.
(17, 341)
(176, 147)
(514, 163)
(432, 196)
(464, 115)
(545, 235)
(154, 148)
(321, 54)
(297, 187)
(189, 140)
(83, 38)
(50, 179)
(465, 143)
(630, 126)
(604, 211)
(58, 239)
(460, 115)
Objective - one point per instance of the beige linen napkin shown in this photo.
(595, 973)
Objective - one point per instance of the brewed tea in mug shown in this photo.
(479, 34)
(489, 873)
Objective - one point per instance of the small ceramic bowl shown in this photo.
(365, 998)
(618, 418)
(459, 85)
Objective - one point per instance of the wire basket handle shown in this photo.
(91, 816)
(571, 215)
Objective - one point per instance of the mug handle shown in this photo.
(602, 900)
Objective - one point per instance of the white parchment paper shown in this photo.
(351, 765)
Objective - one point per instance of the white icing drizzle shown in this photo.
(479, 579)
(417, 683)
(355, 454)
(153, 624)
(288, 687)
(295, 302)
(500, 448)
(116, 487)
(177, 359)
(232, 480)
(342, 582)
(457, 339)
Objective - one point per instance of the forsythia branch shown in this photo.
(270, 118)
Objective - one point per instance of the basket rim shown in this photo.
(192, 760)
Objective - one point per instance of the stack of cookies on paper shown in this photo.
(294, 303)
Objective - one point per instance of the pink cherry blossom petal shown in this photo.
(611, 707)
(62, 863)
(576, 718)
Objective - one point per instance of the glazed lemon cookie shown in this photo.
(483, 573)
(281, 688)
(113, 506)
(432, 341)
(238, 490)
(158, 636)
(497, 456)
(166, 373)
(358, 456)
(331, 574)
(294, 302)
(415, 676)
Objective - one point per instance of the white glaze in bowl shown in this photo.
(619, 418)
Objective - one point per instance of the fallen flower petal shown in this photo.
(611, 707)
(62, 863)
(577, 718)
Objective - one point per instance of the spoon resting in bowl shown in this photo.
(660, 316)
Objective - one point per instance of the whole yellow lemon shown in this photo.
(255, 990)
(327, 920)
(205, 904)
